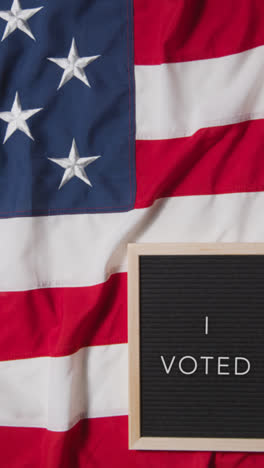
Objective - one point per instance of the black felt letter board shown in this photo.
(197, 309)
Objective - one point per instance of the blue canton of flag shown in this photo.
(67, 123)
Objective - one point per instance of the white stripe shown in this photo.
(55, 393)
(177, 99)
(83, 250)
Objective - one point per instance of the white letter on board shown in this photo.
(222, 365)
(248, 366)
(206, 362)
(194, 361)
(167, 369)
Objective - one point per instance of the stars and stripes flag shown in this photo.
(120, 121)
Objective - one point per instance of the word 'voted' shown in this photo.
(221, 365)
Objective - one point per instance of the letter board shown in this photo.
(196, 346)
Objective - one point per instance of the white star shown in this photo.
(73, 65)
(17, 19)
(16, 118)
(74, 165)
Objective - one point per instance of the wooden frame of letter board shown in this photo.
(136, 442)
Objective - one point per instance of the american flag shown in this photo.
(120, 121)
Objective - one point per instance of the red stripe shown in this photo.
(101, 443)
(94, 443)
(182, 30)
(59, 321)
(215, 160)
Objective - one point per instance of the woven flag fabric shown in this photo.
(70, 75)
(120, 121)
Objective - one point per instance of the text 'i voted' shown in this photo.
(220, 365)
